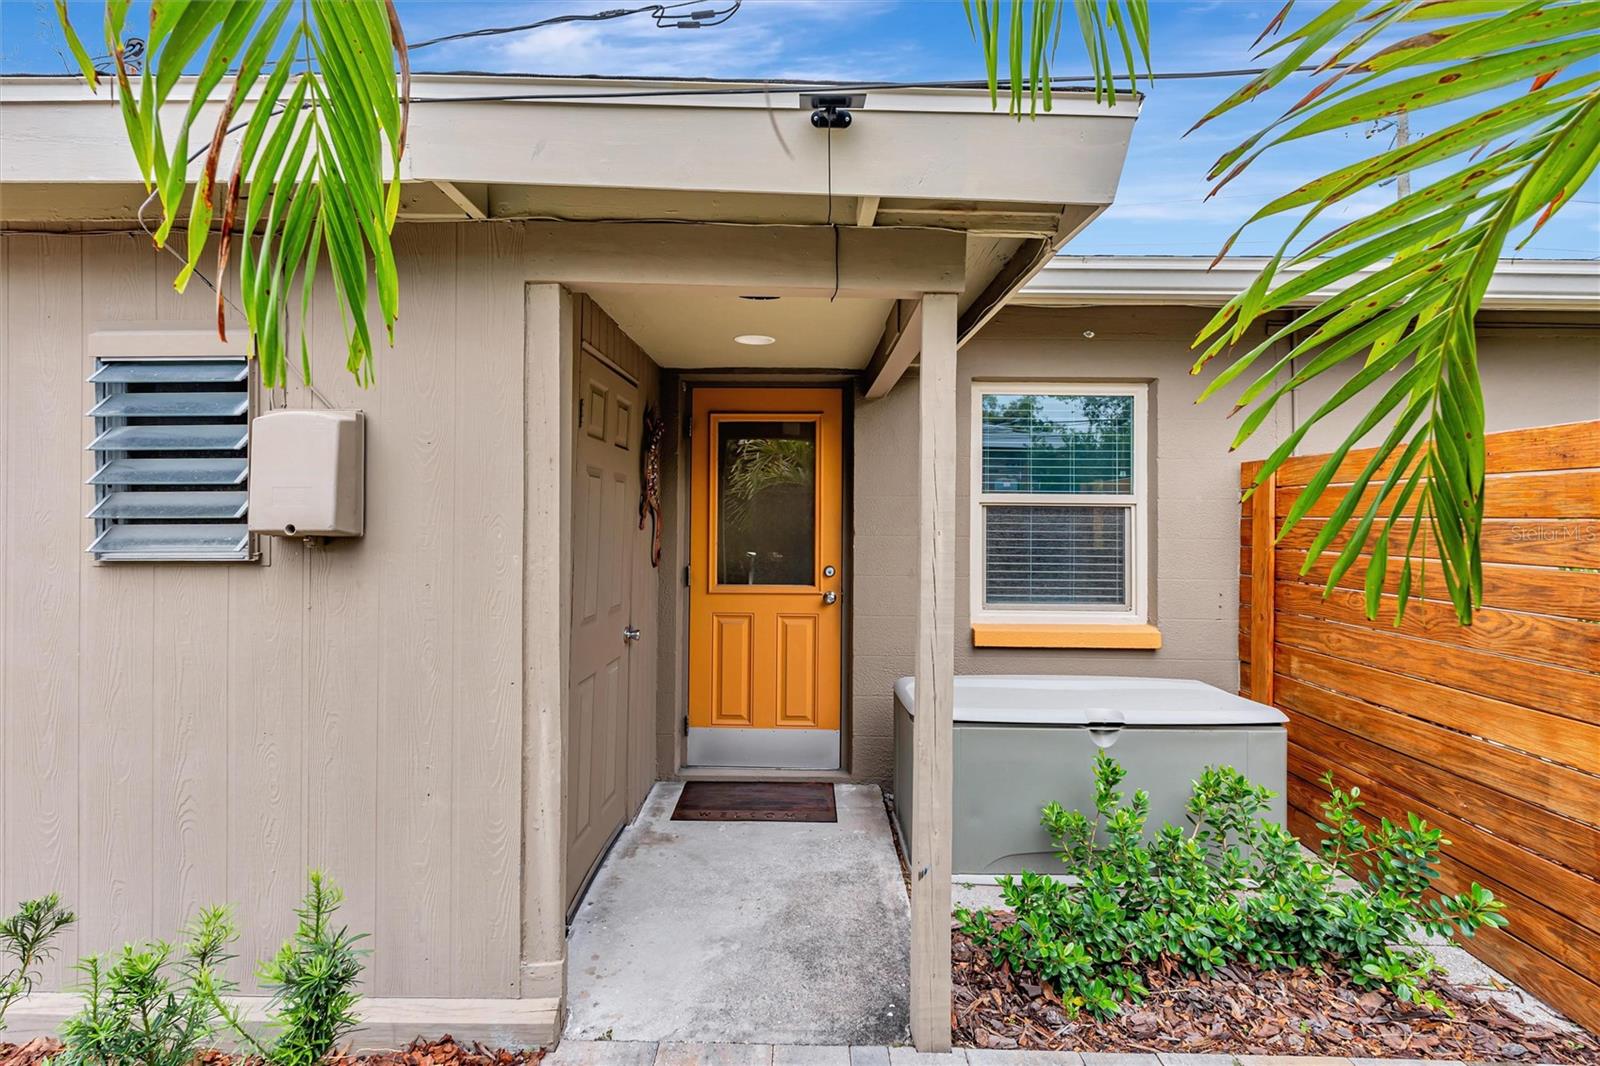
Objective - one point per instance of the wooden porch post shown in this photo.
(1263, 588)
(935, 676)
(549, 344)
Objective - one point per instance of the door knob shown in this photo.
(830, 597)
(631, 633)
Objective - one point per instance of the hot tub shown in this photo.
(1022, 741)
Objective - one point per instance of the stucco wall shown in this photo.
(1532, 376)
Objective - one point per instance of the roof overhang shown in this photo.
(920, 163)
(928, 156)
(1086, 281)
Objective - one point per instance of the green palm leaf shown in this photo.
(328, 86)
(1400, 338)
(1433, 252)
(1030, 32)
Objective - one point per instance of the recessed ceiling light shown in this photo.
(754, 338)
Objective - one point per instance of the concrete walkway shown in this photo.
(622, 1053)
(759, 932)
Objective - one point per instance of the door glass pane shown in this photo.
(766, 503)
(1068, 444)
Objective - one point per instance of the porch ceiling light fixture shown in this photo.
(754, 338)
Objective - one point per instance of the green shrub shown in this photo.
(1231, 887)
(313, 979)
(25, 937)
(146, 1007)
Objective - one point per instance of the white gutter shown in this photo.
(1079, 281)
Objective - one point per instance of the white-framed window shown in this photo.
(1060, 518)
(171, 457)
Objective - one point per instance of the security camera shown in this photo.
(832, 112)
(830, 118)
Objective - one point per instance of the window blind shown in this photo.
(1056, 556)
(171, 441)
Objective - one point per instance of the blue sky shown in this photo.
(1160, 206)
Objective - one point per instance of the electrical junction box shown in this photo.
(308, 474)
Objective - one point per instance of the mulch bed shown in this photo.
(443, 1052)
(1244, 1011)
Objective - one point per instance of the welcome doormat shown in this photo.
(756, 801)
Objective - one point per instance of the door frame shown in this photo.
(683, 390)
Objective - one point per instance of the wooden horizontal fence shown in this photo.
(1490, 732)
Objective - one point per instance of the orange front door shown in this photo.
(764, 577)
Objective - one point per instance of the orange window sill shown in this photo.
(1011, 635)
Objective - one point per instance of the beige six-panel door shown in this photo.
(605, 500)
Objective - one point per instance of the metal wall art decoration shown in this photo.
(650, 480)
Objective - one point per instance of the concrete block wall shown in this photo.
(1537, 370)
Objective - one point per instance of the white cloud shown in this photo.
(808, 39)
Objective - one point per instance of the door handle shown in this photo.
(631, 634)
(830, 597)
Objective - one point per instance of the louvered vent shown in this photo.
(171, 459)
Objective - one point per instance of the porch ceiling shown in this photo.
(692, 328)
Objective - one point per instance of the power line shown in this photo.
(665, 15)
(793, 86)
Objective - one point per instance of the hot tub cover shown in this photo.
(1040, 699)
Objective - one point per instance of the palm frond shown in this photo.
(315, 90)
(1401, 339)
(1028, 33)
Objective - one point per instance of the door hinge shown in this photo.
(688, 426)
(580, 414)
(686, 577)
(685, 725)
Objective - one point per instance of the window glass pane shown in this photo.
(165, 438)
(766, 503)
(172, 405)
(1066, 444)
(179, 471)
(178, 370)
(167, 539)
(1056, 556)
(172, 505)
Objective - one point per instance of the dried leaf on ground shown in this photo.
(1243, 1011)
(442, 1052)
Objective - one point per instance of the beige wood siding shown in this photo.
(177, 735)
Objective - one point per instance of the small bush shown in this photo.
(1231, 887)
(25, 938)
(313, 979)
(146, 1007)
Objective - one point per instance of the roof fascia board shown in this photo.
(712, 147)
(1077, 281)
